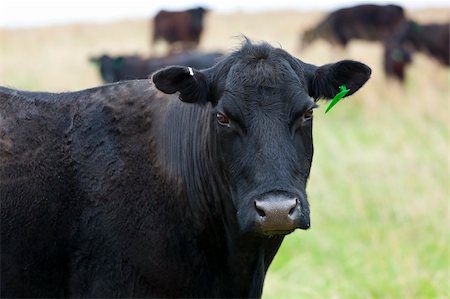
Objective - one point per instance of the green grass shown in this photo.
(379, 184)
(379, 200)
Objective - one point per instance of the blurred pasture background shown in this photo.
(379, 187)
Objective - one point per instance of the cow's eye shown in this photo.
(222, 119)
(308, 115)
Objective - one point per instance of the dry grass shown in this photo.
(379, 185)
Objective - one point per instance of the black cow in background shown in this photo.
(125, 191)
(119, 68)
(432, 40)
(182, 27)
(367, 22)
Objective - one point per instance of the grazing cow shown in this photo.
(367, 22)
(184, 27)
(113, 69)
(430, 39)
(180, 186)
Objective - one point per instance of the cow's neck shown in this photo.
(237, 264)
(250, 264)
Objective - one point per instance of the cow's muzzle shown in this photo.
(281, 213)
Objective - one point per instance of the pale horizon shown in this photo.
(29, 13)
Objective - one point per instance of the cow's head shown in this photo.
(108, 66)
(262, 105)
(396, 59)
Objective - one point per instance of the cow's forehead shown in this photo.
(261, 65)
(269, 72)
(269, 100)
(260, 72)
(264, 82)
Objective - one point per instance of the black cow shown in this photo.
(184, 27)
(367, 22)
(119, 68)
(125, 191)
(430, 39)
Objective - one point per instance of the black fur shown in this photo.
(123, 191)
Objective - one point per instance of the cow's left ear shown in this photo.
(324, 81)
(191, 83)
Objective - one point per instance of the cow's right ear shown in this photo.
(191, 83)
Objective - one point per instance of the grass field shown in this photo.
(379, 185)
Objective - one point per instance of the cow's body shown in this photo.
(366, 22)
(184, 27)
(123, 191)
(114, 69)
(85, 174)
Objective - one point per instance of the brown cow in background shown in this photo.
(182, 27)
(366, 22)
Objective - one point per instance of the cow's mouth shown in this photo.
(278, 232)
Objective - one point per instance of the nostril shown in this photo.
(258, 210)
(292, 210)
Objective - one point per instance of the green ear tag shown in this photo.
(338, 97)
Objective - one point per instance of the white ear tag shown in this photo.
(191, 72)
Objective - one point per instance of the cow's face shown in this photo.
(264, 136)
(262, 120)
